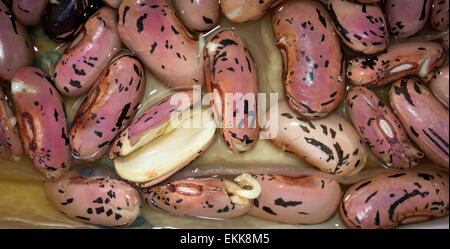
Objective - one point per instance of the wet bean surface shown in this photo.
(22, 182)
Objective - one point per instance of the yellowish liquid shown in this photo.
(22, 200)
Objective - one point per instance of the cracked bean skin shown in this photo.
(155, 118)
(389, 200)
(245, 11)
(296, 200)
(361, 27)
(381, 130)
(204, 197)
(423, 117)
(154, 33)
(401, 59)
(29, 12)
(439, 85)
(88, 55)
(232, 81)
(330, 144)
(199, 15)
(16, 47)
(88, 195)
(407, 17)
(147, 152)
(314, 67)
(42, 121)
(439, 17)
(73, 13)
(10, 143)
(108, 108)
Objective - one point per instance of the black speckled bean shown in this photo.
(361, 27)
(392, 199)
(108, 108)
(42, 121)
(407, 17)
(94, 196)
(16, 47)
(424, 118)
(314, 65)
(439, 17)
(380, 129)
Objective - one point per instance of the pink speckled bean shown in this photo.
(108, 108)
(42, 121)
(439, 85)
(89, 195)
(205, 197)
(232, 80)
(401, 59)
(361, 27)
(154, 33)
(392, 199)
(380, 129)
(198, 15)
(423, 117)
(331, 144)
(439, 18)
(88, 55)
(314, 66)
(16, 47)
(296, 200)
(29, 12)
(10, 143)
(407, 17)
